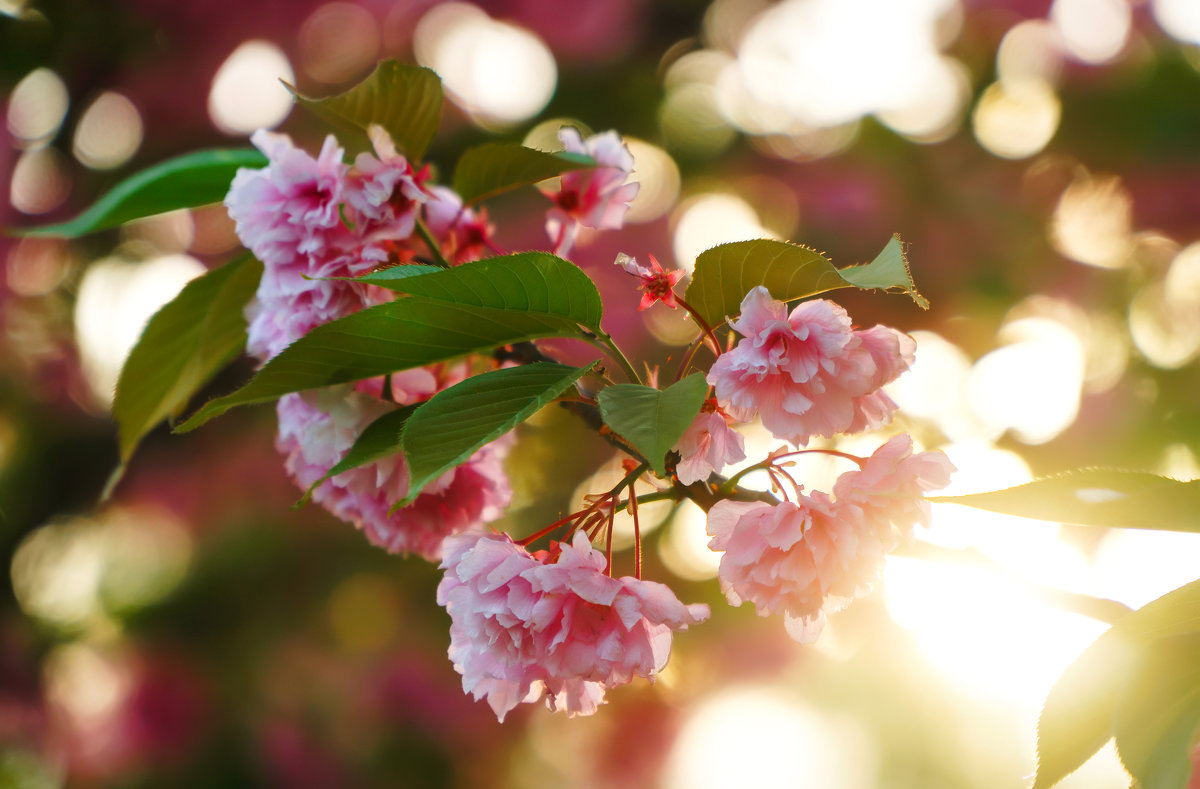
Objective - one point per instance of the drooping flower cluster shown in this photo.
(526, 626)
(808, 373)
(805, 558)
(708, 445)
(597, 198)
(309, 220)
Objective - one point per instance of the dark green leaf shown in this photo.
(383, 276)
(195, 179)
(498, 167)
(1078, 716)
(532, 282)
(726, 273)
(1158, 713)
(653, 420)
(380, 439)
(405, 100)
(456, 422)
(183, 345)
(1098, 497)
(410, 332)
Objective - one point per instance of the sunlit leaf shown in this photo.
(456, 422)
(185, 182)
(1098, 497)
(183, 345)
(410, 332)
(378, 440)
(405, 100)
(653, 420)
(1079, 714)
(726, 273)
(1158, 713)
(888, 271)
(534, 282)
(498, 167)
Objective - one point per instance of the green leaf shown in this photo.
(1078, 716)
(405, 100)
(183, 345)
(491, 169)
(399, 335)
(378, 440)
(653, 420)
(456, 422)
(888, 271)
(726, 273)
(195, 179)
(1098, 497)
(532, 282)
(386, 275)
(1158, 714)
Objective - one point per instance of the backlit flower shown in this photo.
(708, 445)
(808, 373)
(524, 626)
(657, 284)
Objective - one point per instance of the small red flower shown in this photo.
(657, 285)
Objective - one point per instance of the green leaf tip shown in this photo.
(494, 168)
(456, 422)
(195, 179)
(405, 101)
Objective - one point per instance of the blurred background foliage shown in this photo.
(1041, 160)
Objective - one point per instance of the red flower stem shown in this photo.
(608, 543)
(637, 535)
(703, 324)
(538, 535)
(833, 452)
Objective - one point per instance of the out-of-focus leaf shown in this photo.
(410, 332)
(533, 282)
(187, 181)
(1158, 713)
(406, 101)
(726, 273)
(454, 423)
(653, 420)
(1098, 497)
(1079, 714)
(491, 169)
(380, 439)
(183, 345)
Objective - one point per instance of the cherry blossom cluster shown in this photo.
(311, 220)
(554, 624)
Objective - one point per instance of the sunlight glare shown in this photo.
(705, 220)
(246, 92)
(37, 106)
(1094, 31)
(109, 133)
(1016, 119)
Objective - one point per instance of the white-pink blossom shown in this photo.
(801, 559)
(707, 446)
(464, 235)
(596, 197)
(808, 373)
(552, 624)
(316, 429)
(888, 489)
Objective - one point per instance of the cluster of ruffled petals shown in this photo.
(552, 624)
(808, 373)
(708, 445)
(657, 284)
(809, 557)
(311, 219)
(597, 197)
(316, 429)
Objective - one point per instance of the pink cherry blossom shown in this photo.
(556, 626)
(808, 373)
(888, 488)
(316, 428)
(802, 559)
(597, 197)
(707, 446)
(383, 192)
(464, 234)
